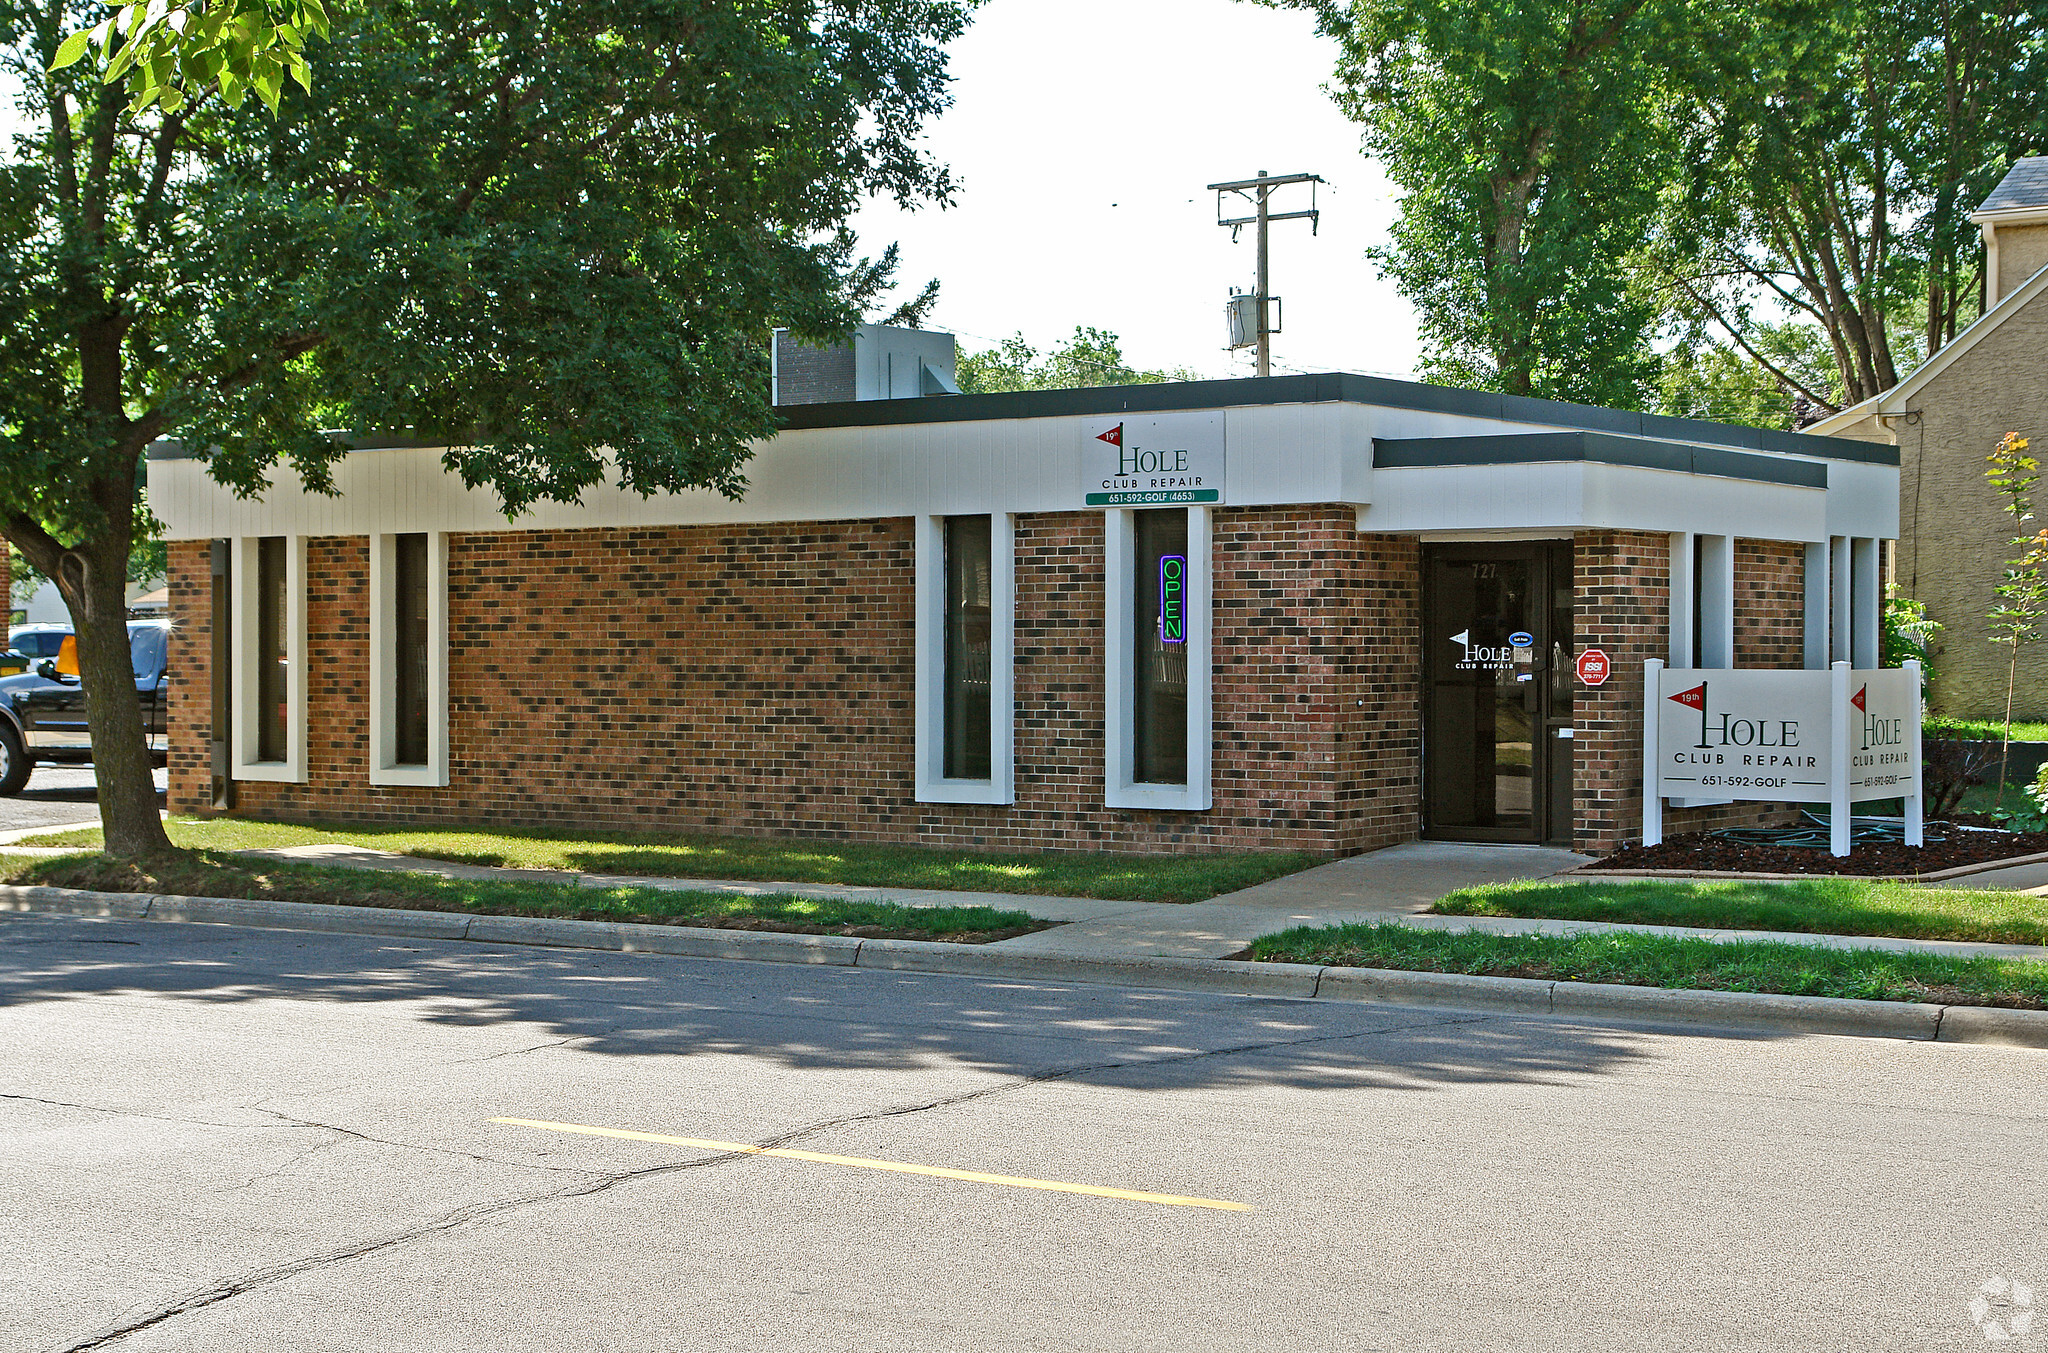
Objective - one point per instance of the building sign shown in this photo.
(1152, 460)
(1837, 737)
(1593, 667)
(1483, 657)
(1173, 599)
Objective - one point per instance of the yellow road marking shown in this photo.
(898, 1167)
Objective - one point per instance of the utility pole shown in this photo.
(1257, 191)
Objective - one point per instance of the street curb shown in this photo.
(1583, 1002)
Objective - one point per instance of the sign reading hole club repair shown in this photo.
(1152, 460)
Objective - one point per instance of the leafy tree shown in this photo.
(1529, 156)
(1703, 378)
(167, 53)
(1090, 357)
(554, 236)
(2023, 590)
(1834, 149)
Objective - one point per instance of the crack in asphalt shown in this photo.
(227, 1290)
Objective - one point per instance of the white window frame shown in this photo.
(384, 767)
(291, 770)
(1119, 648)
(932, 786)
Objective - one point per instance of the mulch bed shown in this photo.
(1698, 851)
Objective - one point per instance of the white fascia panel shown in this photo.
(928, 759)
(1863, 500)
(243, 571)
(1119, 650)
(384, 767)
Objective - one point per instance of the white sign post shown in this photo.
(1838, 737)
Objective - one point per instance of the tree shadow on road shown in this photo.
(799, 1017)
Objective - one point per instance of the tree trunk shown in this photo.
(93, 579)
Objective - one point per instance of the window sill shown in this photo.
(1165, 798)
(417, 777)
(964, 791)
(277, 772)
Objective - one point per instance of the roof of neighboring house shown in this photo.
(1893, 401)
(2024, 185)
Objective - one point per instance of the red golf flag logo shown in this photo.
(1115, 436)
(1858, 698)
(1696, 698)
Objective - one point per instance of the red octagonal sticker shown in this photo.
(1594, 667)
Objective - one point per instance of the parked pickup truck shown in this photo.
(42, 713)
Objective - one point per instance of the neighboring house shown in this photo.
(1946, 418)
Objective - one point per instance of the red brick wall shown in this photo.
(1624, 591)
(758, 680)
(1770, 604)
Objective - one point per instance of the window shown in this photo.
(1156, 718)
(409, 659)
(268, 600)
(1159, 701)
(969, 636)
(966, 600)
(410, 651)
(273, 657)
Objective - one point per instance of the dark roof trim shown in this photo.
(1389, 453)
(1331, 387)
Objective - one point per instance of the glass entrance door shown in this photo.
(1497, 670)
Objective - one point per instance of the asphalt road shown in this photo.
(223, 1140)
(57, 796)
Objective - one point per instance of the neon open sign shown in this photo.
(1173, 599)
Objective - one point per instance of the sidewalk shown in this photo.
(1392, 886)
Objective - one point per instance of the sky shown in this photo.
(1084, 131)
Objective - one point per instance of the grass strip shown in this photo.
(1662, 961)
(1149, 878)
(1989, 730)
(1821, 906)
(210, 874)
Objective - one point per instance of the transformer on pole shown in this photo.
(1252, 324)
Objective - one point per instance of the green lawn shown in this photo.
(1150, 878)
(1991, 730)
(1820, 906)
(211, 874)
(1657, 961)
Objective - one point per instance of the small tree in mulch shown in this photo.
(2023, 595)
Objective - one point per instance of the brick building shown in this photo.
(1945, 419)
(1323, 613)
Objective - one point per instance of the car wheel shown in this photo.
(14, 761)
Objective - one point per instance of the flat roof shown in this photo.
(1327, 388)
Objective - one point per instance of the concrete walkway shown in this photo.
(1392, 886)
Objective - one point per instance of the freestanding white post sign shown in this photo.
(1838, 759)
(1915, 827)
(1653, 802)
(1839, 737)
